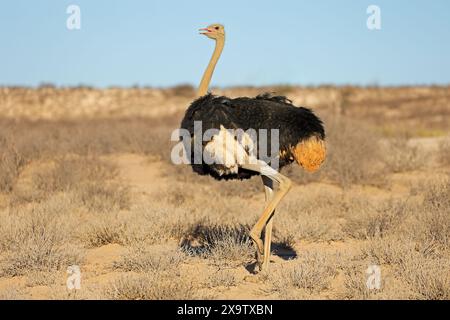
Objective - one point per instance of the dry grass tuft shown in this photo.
(90, 179)
(98, 197)
(353, 153)
(355, 285)
(366, 220)
(68, 173)
(428, 278)
(38, 239)
(400, 156)
(149, 287)
(222, 278)
(140, 258)
(100, 231)
(222, 244)
(311, 272)
(311, 216)
(11, 163)
(430, 221)
(41, 278)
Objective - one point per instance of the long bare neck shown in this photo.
(206, 80)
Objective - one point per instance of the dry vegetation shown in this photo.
(86, 179)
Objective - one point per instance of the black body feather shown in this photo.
(262, 112)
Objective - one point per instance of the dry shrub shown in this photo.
(140, 258)
(388, 250)
(11, 163)
(400, 156)
(428, 278)
(223, 244)
(229, 251)
(38, 238)
(150, 224)
(366, 220)
(41, 278)
(69, 172)
(177, 195)
(431, 220)
(311, 217)
(222, 278)
(311, 272)
(307, 226)
(156, 223)
(150, 287)
(104, 197)
(353, 155)
(355, 285)
(101, 231)
(423, 271)
(90, 179)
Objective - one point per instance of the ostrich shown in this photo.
(301, 139)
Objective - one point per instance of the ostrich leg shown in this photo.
(268, 188)
(265, 170)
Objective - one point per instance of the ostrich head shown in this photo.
(214, 31)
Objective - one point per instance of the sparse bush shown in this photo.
(388, 251)
(313, 216)
(37, 239)
(89, 179)
(353, 155)
(101, 231)
(429, 278)
(311, 272)
(224, 245)
(11, 163)
(367, 221)
(222, 278)
(431, 219)
(40, 278)
(400, 156)
(150, 224)
(355, 280)
(69, 173)
(150, 287)
(142, 259)
(104, 197)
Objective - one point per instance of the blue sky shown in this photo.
(156, 43)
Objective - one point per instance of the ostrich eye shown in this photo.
(217, 28)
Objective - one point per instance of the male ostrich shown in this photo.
(301, 139)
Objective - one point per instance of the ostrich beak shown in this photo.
(204, 30)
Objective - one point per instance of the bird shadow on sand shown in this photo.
(202, 240)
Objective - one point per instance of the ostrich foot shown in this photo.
(259, 250)
(258, 242)
(259, 261)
